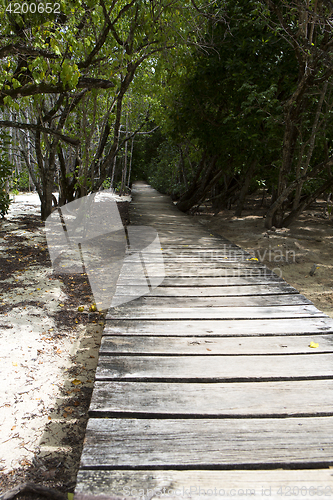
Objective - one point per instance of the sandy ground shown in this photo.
(48, 356)
(291, 252)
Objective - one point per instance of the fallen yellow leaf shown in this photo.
(313, 344)
(76, 381)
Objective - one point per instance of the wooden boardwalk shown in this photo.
(207, 386)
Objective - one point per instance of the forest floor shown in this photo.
(291, 252)
(48, 356)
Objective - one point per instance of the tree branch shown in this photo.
(18, 48)
(31, 126)
(33, 488)
(32, 174)
(48, 88)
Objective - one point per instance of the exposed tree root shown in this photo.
(33, 488)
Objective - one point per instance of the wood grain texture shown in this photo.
(195, 313)
(211, 291)
(215, 345)
(224, 328)
(215, 400)
(210, 281)
(198, 484)
(214, 368)
(205, 443)
(235, 301)
(200, 271)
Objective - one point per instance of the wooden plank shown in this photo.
(205, 254)
(215, 368)
(208, 256)
(215, 345)
(217, 281)
(197, 485)
(220, 264)
(198, 302)
(197, 271)
(222, 328)
(302, 398)
(223, 261)
(214, 312)
(202, 443)
(210, 291)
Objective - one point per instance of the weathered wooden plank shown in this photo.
(217, 281)
(222, 261)
(198, 484)
(203, 443)
(215, 368)
(210, 291)
(215, 255)
(194, 313)
(222, 328)
(215, 345)
(198, 271)
(222, 245)
(167, 302)
(302, 398)
(203, 253)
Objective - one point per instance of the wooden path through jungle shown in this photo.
(207, 386)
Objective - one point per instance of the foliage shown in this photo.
(23, 180)
(257, 101)
(78, 66)
(162, 171)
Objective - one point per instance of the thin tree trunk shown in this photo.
(130, 165)
(294, 214)
(278, 203)
(245, 187)
(113, 171)
(124, 170)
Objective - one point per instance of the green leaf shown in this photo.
(8, 100)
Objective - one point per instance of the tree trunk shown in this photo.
(245, 187)
(205, 184)
(278, 203)
(294, 214)
(46, 201)
(184, 203)
(130, 165)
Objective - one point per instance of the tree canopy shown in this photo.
(255, 106)
(54, 64)
(239, 94)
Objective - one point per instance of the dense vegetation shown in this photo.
(204, 99)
